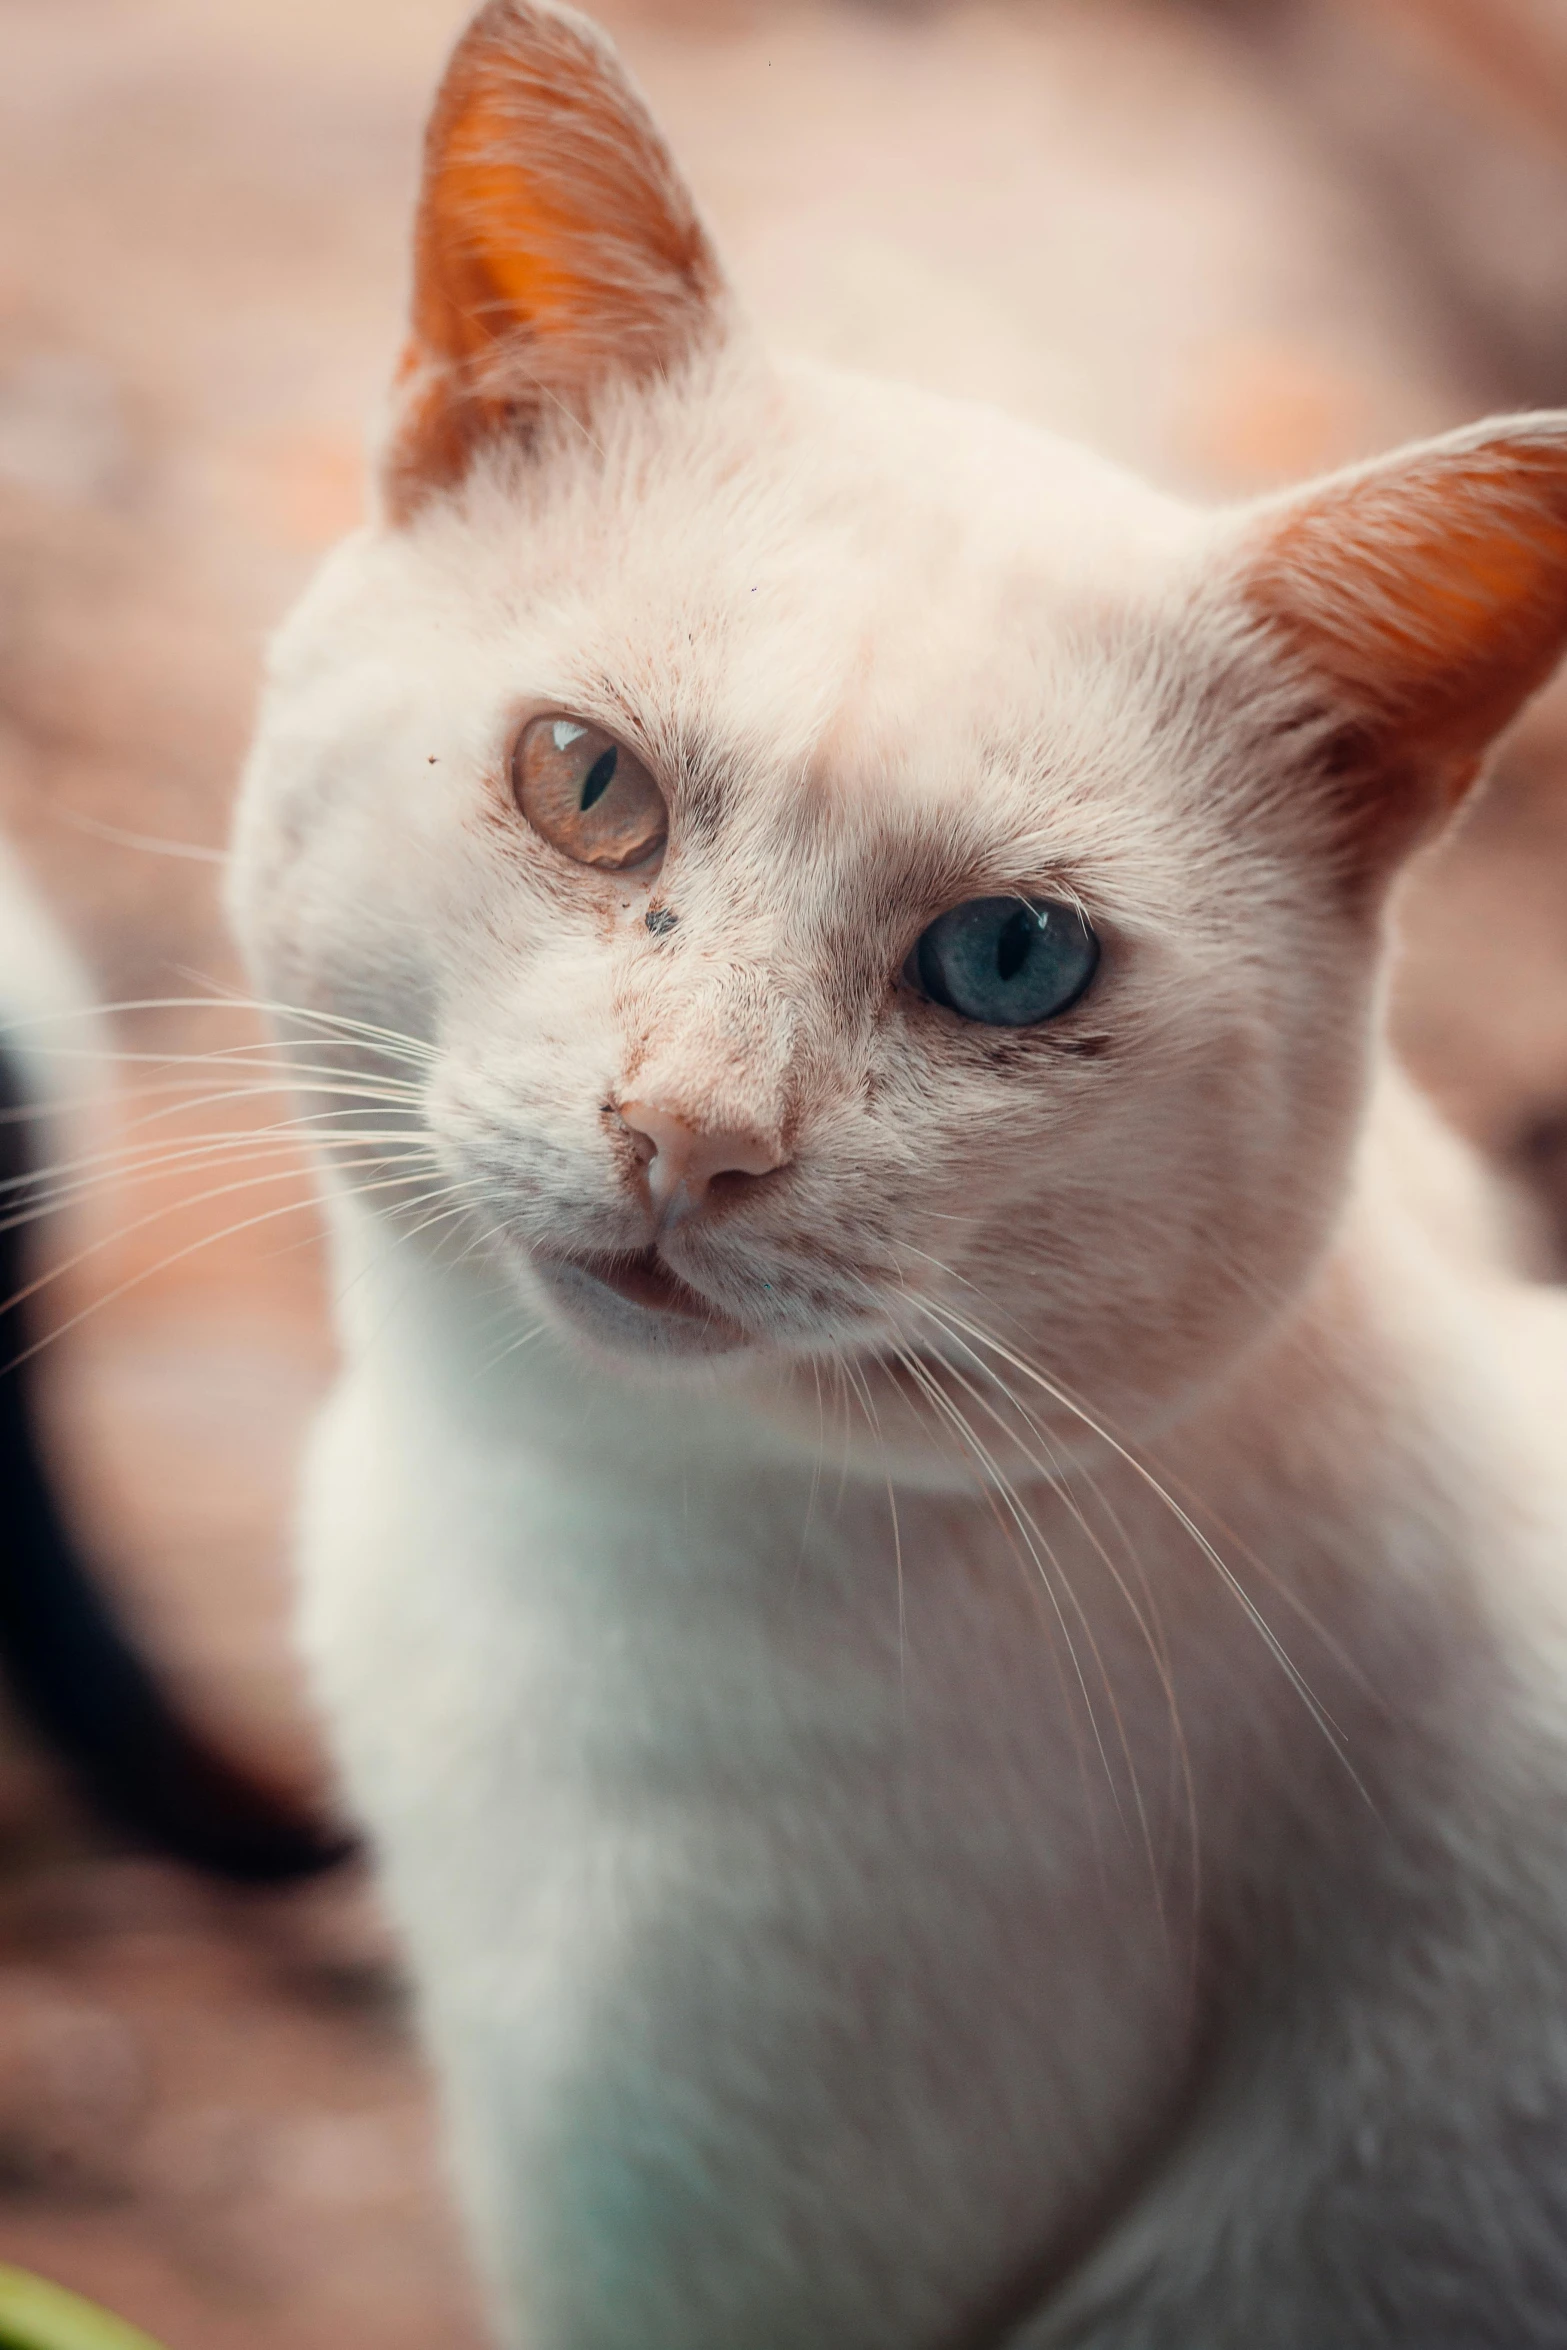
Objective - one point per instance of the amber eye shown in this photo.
(587, 795)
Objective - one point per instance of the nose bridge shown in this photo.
(716, 1051)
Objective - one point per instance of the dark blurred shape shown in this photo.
(1542, 1162)
(67, 1660)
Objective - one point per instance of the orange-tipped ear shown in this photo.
(555, 247)
(1427, 597)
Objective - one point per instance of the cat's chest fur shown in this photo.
(734, 1807)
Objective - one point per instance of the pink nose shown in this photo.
(681, 1161)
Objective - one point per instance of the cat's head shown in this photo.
(870, 877)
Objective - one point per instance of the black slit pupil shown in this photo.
(598, 779)
(1014, 942)
(1006, 962)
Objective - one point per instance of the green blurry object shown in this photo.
(38, 2316)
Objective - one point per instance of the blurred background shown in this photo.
(1231, 241)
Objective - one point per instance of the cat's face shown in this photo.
(880, 658)
(875, 883)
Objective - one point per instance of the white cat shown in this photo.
(941, 1560)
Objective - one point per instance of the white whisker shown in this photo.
(973, 1336)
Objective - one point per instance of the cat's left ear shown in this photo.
(1420, 601)
(556, 248)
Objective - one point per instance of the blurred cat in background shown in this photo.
(940, 1564)
(74, 1676)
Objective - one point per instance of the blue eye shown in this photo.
(1007, 962)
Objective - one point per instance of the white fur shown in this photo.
(46, 1019)
(864, 1889)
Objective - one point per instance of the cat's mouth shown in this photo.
(637, 1301)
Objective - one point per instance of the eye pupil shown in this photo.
(1004, 963)
(587, 795)
(599, 777)
(1013, 943)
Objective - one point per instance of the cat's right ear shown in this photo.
(556, 248)
(1419, 602)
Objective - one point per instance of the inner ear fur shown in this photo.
(555, 248)
(1424, 599)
